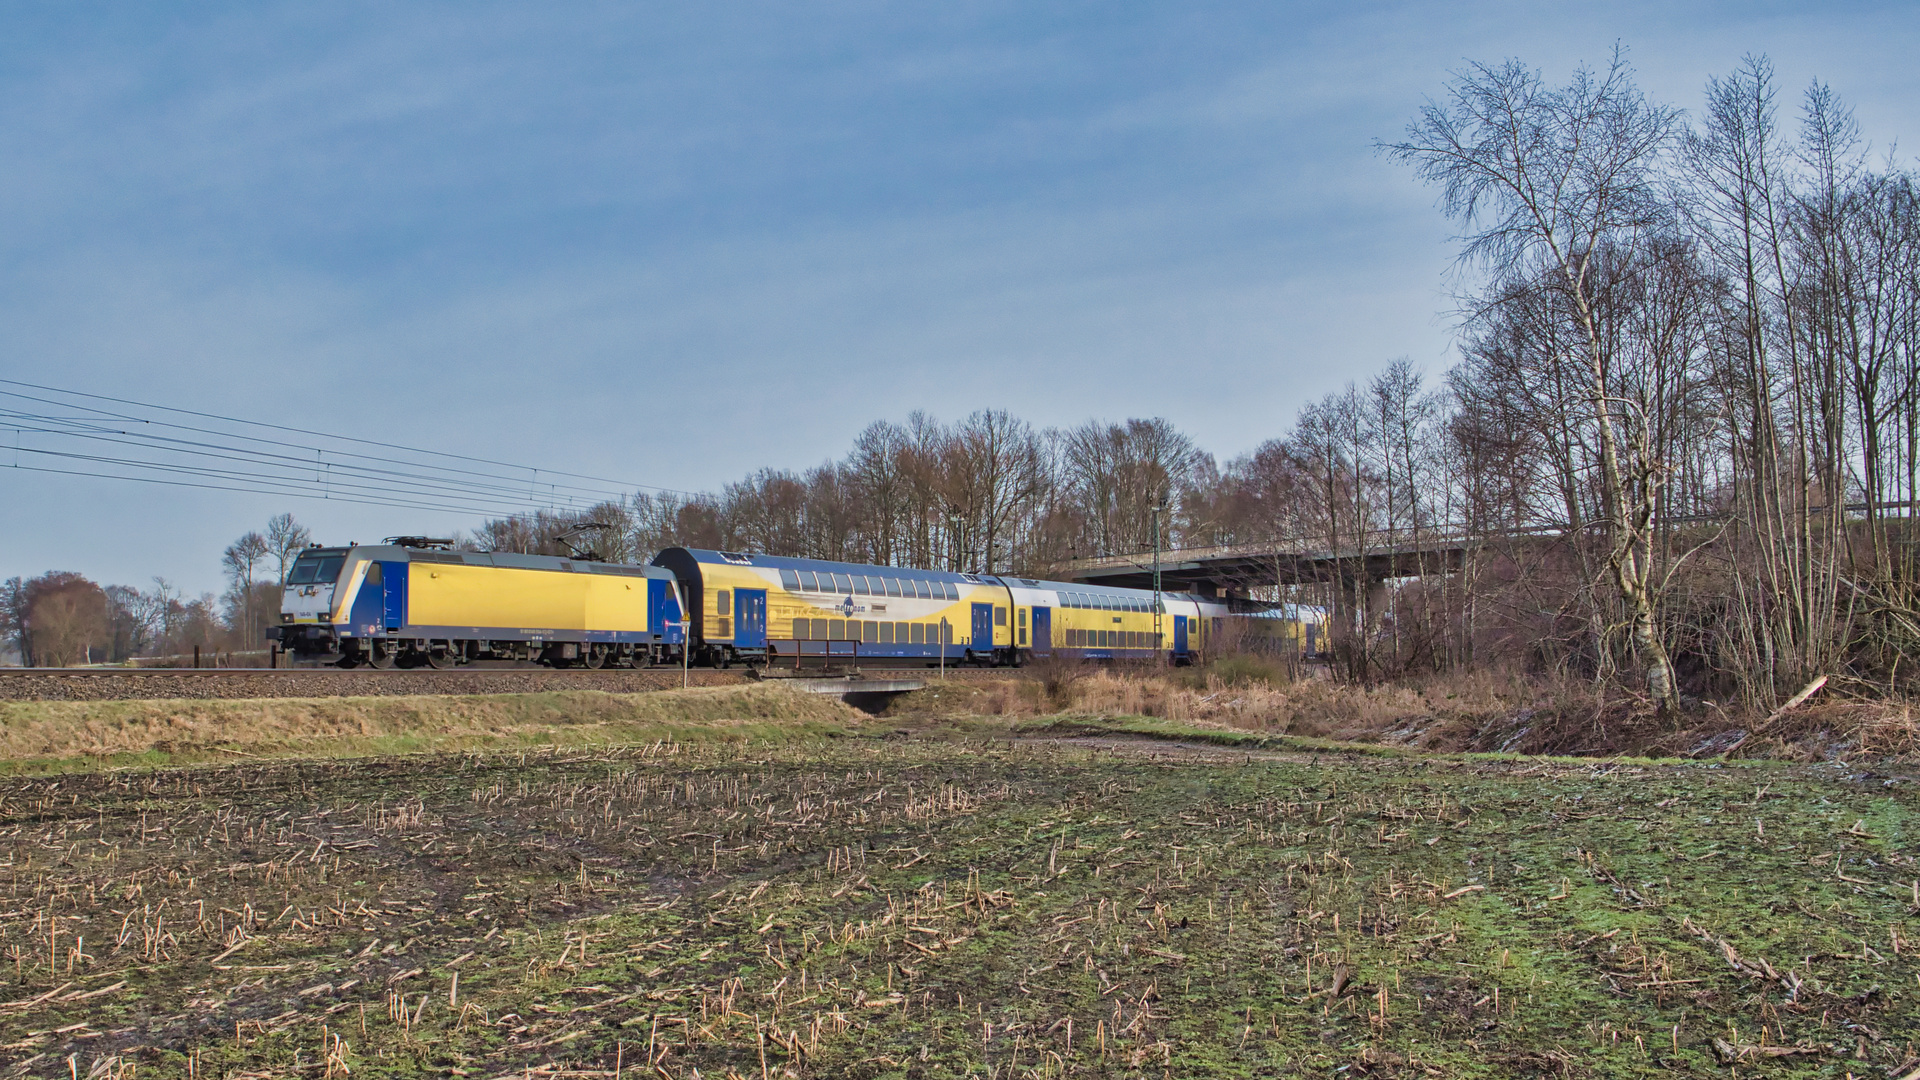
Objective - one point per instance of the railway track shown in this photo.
(99, 672)
(107, 684)
(102, 684)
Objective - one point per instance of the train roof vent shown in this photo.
(737, 558)
(1030, 583)
(975, 578)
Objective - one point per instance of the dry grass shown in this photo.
(57, 730)
(1478, 711)
(1891, 730)
(1250, 696)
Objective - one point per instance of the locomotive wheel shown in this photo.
(595, 659)
(381, 657)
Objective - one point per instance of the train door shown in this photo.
(663, 611)
(750, 618)
(1179, 635)
(393, 587)
(983, 627)
(1042, 631)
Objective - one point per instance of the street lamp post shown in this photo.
(1159, 508)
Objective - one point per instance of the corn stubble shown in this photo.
(904, 907)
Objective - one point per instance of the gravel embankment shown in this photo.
(309, 684)
(258, 683)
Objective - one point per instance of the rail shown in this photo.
(368, 673)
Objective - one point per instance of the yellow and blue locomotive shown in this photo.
(413, 602)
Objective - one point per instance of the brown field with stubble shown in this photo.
(934, 896)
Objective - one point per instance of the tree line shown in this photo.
(1682, 436)
(63, 619)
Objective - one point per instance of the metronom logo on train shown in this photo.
(415, 602)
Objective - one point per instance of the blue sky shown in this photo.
(673, 243)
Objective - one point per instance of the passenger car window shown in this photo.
(789, 580)
(723, 602)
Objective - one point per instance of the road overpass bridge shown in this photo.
(1233, 570)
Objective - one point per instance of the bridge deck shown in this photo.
(1241, 566)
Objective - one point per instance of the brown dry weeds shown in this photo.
(1467, 712)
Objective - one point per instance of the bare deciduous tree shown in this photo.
(1555, 180)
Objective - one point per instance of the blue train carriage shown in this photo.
(1097, 622)
(406, 604)
(755, 608)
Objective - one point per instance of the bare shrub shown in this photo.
(1058, 673)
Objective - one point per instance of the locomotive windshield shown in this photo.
(317, 568)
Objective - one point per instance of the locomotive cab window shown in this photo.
(316, 570)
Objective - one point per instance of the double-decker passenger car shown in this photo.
(1100, 622)
(755, 607)
(752, 607)
(414, 603)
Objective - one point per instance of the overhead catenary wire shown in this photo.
(624, 484)
(319, 465)
(294, 466)
(425, 492)
(618, 487)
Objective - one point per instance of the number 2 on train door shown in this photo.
(982, 627)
